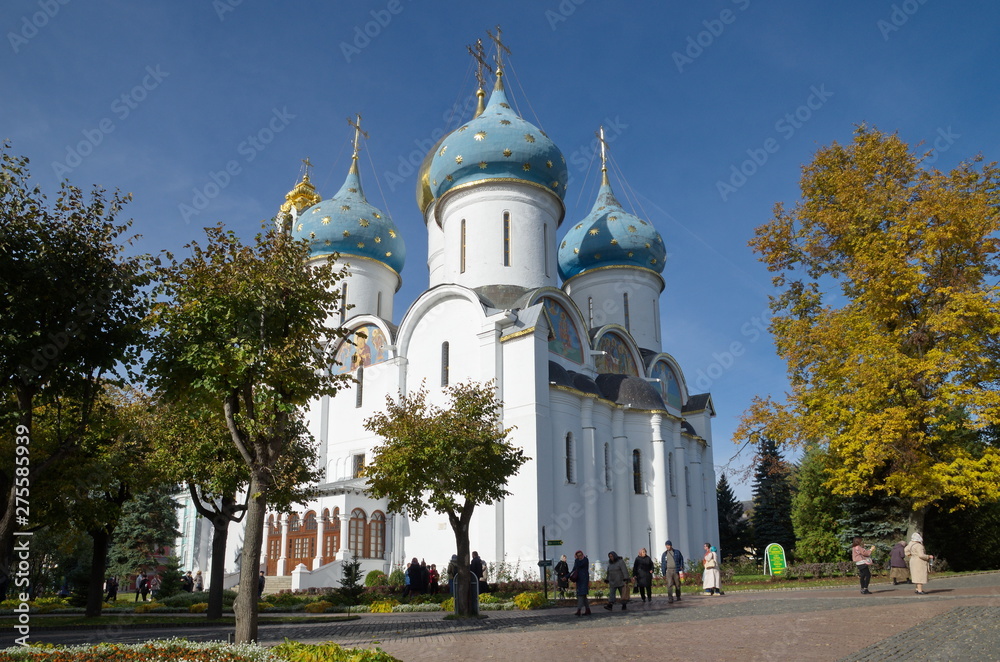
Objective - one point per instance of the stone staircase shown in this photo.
(276, 584)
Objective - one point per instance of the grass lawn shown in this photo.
(139, 620)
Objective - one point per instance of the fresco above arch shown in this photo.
(616, 359)
(670, 387)
(565, 338)
(370, 347)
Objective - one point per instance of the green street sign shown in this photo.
(545, 563)
(553, 542)
(775, 556)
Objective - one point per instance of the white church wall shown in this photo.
(601, 297)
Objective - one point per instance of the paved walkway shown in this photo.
(958, 621)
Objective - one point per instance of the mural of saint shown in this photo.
(565, 339)
(617, 359)
(369, 347)
(670, 387)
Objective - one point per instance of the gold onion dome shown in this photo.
(302, 196)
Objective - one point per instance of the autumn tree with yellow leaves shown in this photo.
(888, 317)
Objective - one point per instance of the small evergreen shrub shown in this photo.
(376, 578)
(199, 608)
(396, 577)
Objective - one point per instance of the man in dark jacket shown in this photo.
(672, 564)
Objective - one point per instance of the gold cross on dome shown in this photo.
(501, 48)
(604, 144)
(358, 132)
(306, 164)
(478, 53)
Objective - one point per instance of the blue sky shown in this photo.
(203, 110)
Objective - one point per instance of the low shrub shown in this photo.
(299, 652)
(531, 600)
(396, 577)
(173, 649)
(261, 606)
(198, 608)
(317, 607)
(448, 604)
(414, 608)
(376, 578)
(382, 606)
(146, 607)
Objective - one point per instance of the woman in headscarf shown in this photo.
(711, 577)
(581, 575)
(642, 571)
(617, 578)
(918, 559)
(562, 576)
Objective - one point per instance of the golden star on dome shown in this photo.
(630, 253)
(548, 164)
(631, 228)
(312, 235)
(364, 222)
(593, 232)
(378, 240)
(449, 178)
(392, 233)
(483, 165)
(562, 245)
(361, 244)
(578, 226)
(576, 250)
(353, 190)
(555, 184)
(299, 228)
(528, 137)
(345, 207)
(612, 218)
(597, 256)
(376, 214)
(653, 261)
(326, 220)
(347, 233)
(526, 167)
(462, 129)
(507, 152)
(388, 253)
(458, 159)
(504, 104)
(326, 243)
(443, 150)
(647, 244)
(614, 242)
(505, 122)
(480, 135)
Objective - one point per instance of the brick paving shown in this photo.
(957, 621)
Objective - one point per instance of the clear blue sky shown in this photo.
(155, 97)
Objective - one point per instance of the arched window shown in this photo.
(670, 473)
(378, 304)
(310, 521)
(359, 393)
(376, 536)
(331, 543)
(687, 486)
(445, 362)
(506, 239)
(293, 522)
(461, 266)
(356, 532)
(343, 303)
(607, 465)
(637, 471)
(570, 459)
(628, 324)
(590, 312)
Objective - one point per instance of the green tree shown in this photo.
(148, 524)
(887, 317)
(816, 511)
(734, 528)
(351, 585)
(772, 499)
(446, 460)
(243, 327)
(58, 341)
(170, 578)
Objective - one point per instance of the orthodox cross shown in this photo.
(306, 164)
(604, 144)
(478, 53)
(501, 49)
(358, 132)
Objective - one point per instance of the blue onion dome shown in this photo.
(424, 195)
(348, 225)
(610, 236)
(497, 146)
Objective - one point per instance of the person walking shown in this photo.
(862, 558)
(261, 580)
(478, 568)
(562, 576)
(144, 586)
(140, 583)
(199, 582)
(672, 567)
(642, 572)
(154, 587)
(899, 573)
(433, 578)
(581, 576)
(712, 576)
(452, 573)
(918, 559)
(414, 573)
(617, 578)
(112, 587)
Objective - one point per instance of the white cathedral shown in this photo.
(620, 451)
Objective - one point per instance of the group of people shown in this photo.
(908, 563)
(147, 586)
(421, 578)
(620, 580)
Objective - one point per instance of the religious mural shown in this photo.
(670, 387)
(370, 347)
(565, 339)
(616, 359)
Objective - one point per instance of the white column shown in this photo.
(589, 480)
(345, 533)
(697, 488)
(661, 484)
(283, 556)
(320, 532)
(684, 542)
(621, 482)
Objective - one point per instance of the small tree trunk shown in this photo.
(915, 521)
(246, 602)
(95, 587)
(220, 535)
